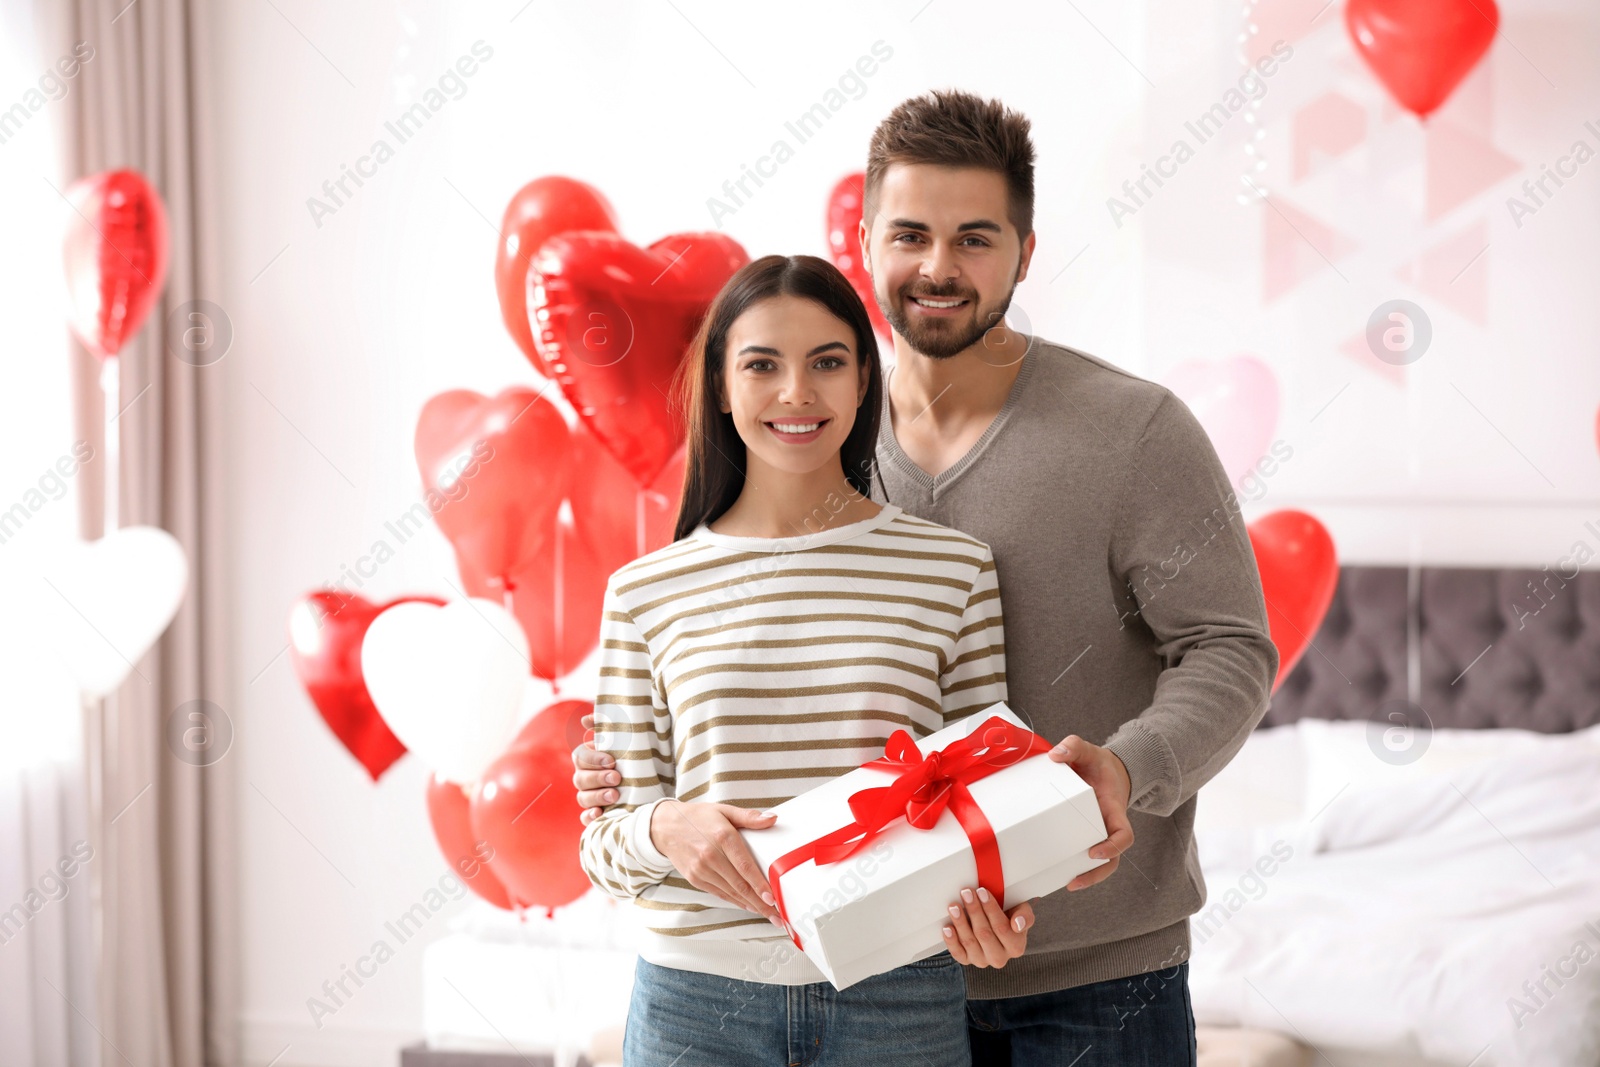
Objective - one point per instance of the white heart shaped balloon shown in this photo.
(101, 605)
(449, 681)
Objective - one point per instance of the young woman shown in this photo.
(775, 644)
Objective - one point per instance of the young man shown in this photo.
(1135, 623)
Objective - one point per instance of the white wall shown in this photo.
(343, 330)
(1483, 450)
(38, 466)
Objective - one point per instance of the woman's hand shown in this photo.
(702, 841)
(982, 934)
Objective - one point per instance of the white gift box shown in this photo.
(884, 906)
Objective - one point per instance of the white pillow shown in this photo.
(1345, 755)
(1263, 783)
(1251, 802)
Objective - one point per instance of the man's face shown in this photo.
(943, 254)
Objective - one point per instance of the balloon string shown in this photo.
(111, 388)
(638, 521)
(560, 604)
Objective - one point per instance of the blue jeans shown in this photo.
(913, 1016)
(1142, 1021)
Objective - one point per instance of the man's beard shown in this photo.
(943, 338)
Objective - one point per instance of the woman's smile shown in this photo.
(796, 431)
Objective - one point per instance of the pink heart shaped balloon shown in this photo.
(1236, 401)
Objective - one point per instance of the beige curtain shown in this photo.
(160, 825)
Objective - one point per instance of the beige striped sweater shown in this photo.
(748, 670)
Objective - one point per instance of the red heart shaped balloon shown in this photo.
(612, 322)
(560, 726)
(116, 257)
(845, 203)
(326, 628)
(556, 596)
(1421, 49)
(1299, 572)
(540, 210)
(495, 470)
(526, 808)
(612, 513)
(450, 813)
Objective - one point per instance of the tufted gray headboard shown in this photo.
(1470, 647)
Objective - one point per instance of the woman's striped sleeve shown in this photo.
(975, 677)
(632, 723)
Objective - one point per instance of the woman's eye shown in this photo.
(835, 362)
(758, 364)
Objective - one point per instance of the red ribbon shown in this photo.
(923, 787)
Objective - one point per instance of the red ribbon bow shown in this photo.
(923, 788)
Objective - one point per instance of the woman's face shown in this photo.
(791, 365)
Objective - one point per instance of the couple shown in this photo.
(845, 544)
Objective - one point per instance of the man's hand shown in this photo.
(1104, 772)
(593, 772)
(983, 935)
(702, 841)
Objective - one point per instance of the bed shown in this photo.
(1411, 835)
(1403, 863)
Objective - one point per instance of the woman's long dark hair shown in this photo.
(714, 468)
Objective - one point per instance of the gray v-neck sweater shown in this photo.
(1133, 618)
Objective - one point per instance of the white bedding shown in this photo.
(1405, 915)
(502, 983)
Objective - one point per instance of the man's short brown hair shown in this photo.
(952, 128)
